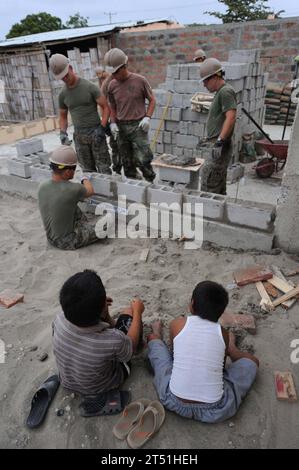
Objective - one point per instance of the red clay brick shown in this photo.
(237, 320)
(252, 274)
(8, 298)
(284, 386)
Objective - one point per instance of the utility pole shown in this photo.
(110, 14)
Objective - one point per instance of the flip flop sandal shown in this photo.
(106, 403)
(41, 401)
(150, 423)
(130, 417)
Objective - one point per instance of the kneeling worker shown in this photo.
(66, 226)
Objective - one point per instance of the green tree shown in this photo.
(77, 21)
(242, 10)
(36, 23)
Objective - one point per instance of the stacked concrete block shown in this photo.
(157, 194)
(243, 72)
(134, 190)
(102, 185)
(43, 157)
(213, 205)
(19, 167)
(40, 172)
(28, 146)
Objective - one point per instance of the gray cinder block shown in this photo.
(40, 172)
(213, 205)
(19, 167)
(102, 185)
(251, 214)
(134, 190)
(159, 193)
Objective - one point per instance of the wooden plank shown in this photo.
(277, 272)
(144, 255)
(198, 163)
(280, 284)
(266, 302)
(284, 386)
(292, 273)
(287, 296)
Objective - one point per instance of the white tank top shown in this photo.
(198, 361)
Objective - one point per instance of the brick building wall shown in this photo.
(150, 53)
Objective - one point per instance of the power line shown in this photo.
(110, 14)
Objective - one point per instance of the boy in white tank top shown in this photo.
(194, 382)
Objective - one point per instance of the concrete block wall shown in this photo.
(183, 128)
(150, 52)
(239, 225)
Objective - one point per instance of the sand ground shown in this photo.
(165, 283)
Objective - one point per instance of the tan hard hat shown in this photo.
(64, 156)
(199, 54)
(209, 67)
(115, 58)
(59, 65)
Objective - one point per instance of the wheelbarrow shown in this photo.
(276, 149)
(276, 159)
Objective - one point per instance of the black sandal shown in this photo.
(105, 403)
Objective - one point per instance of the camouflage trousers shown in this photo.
(115, 155)
(92, 149)
(214, 170)
(135, 150)
(84, 234)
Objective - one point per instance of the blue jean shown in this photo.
(238, 378)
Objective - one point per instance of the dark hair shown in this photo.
(82, 298)
(209, 300)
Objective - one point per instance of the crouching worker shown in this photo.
(91, 350)
(194, 383)
(66, 226)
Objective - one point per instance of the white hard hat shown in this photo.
(59, 65)
(199, 54)
(64, 156)
(209, 67)
(115, 58)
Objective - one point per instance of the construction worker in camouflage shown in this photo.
(220, 126)
(65, 225)
(199, 56)
(104, 79)
(130, 120)
(81, 98)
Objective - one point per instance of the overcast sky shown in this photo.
(12, 11)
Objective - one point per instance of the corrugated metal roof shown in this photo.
(66, 34)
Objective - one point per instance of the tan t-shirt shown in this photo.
(127, 98)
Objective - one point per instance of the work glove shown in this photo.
(64, 138)
(145, 123)
(217, 149)
(114, 130)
